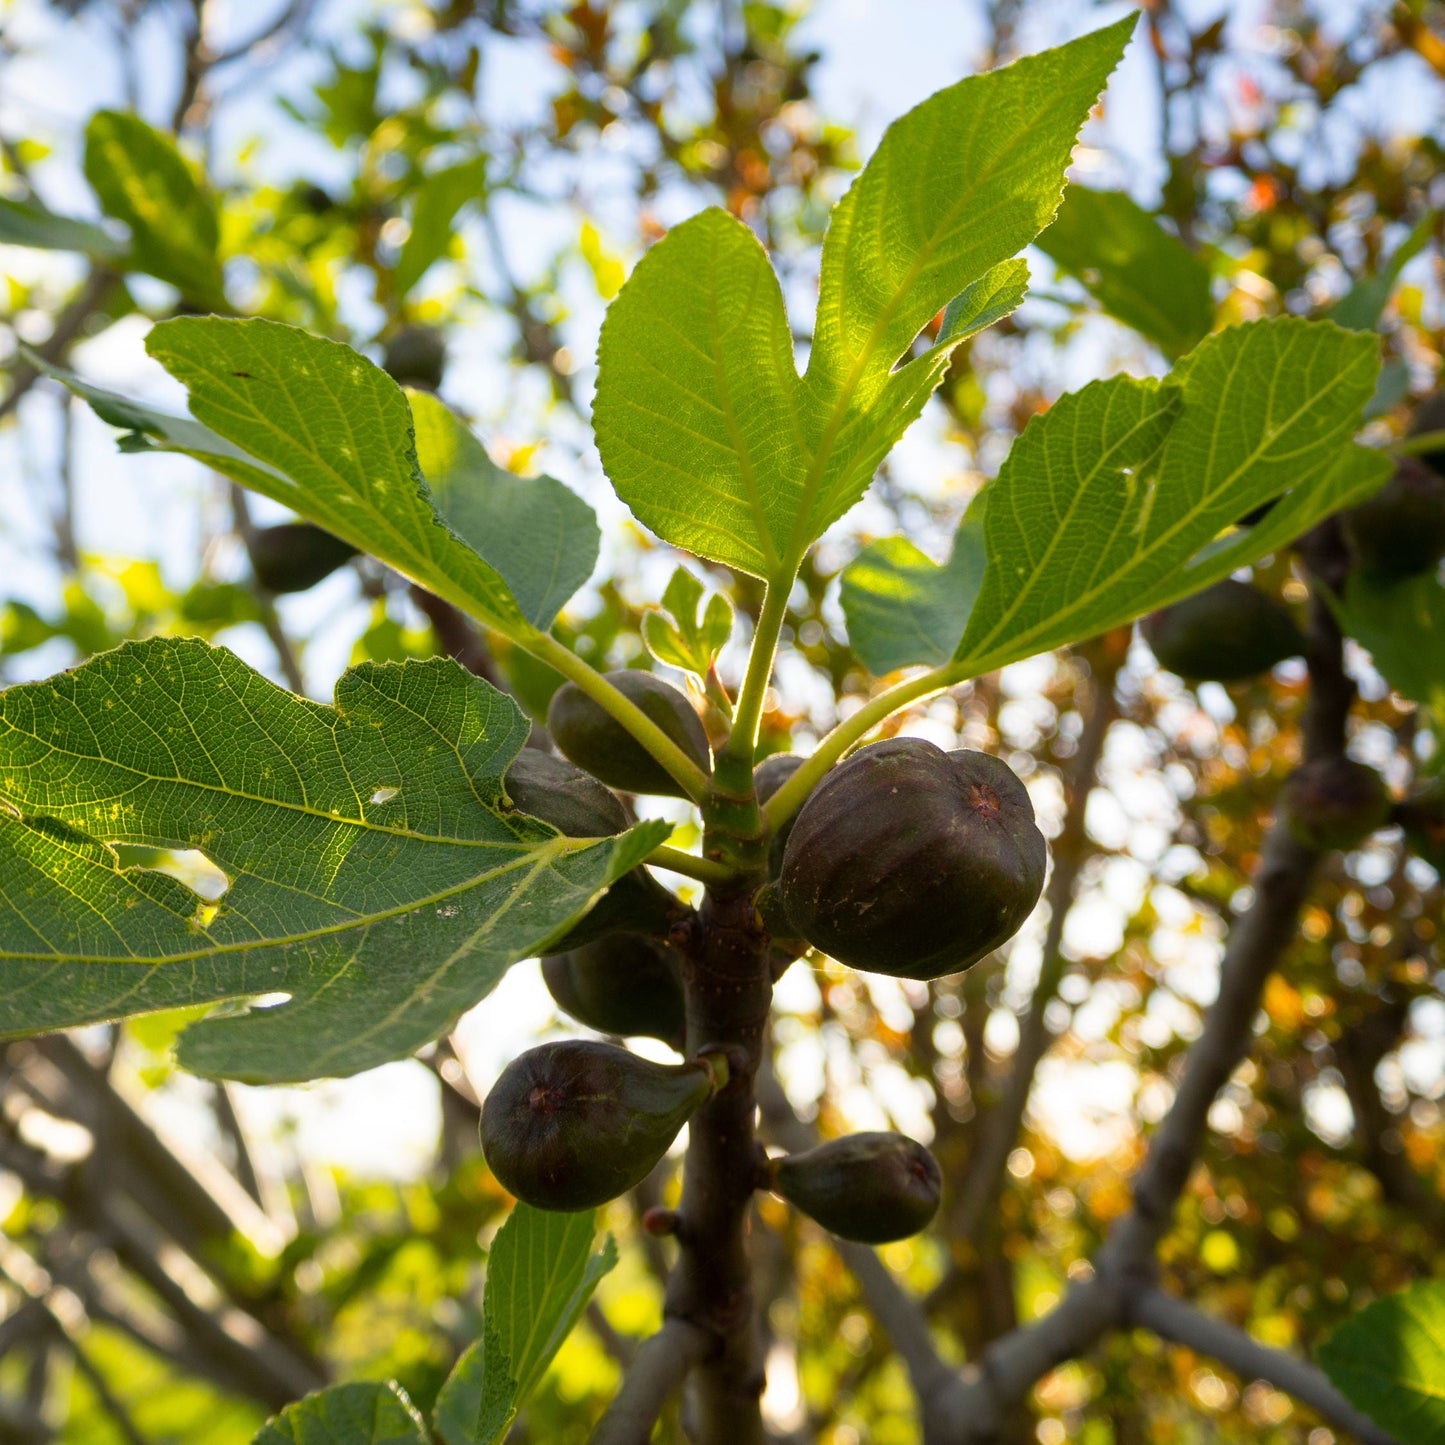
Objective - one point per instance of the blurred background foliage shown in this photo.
(457, 189)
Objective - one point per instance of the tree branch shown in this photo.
(657, 1371)
(1179, 1322)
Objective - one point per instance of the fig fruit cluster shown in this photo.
(911, 861)
(872, 1188)
(593, 739)
(1226, 633)
(571, 1125)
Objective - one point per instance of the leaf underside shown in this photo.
(364, 1413)
(375, 874)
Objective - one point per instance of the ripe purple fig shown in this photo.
(1400, 531)
(1226, 633)
(570, 1125)
(911, 861)
(1334, 802)
(625, 983)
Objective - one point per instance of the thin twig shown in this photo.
(1181, 1323)
(657, 1372)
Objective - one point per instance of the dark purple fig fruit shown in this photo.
(626, 984)
(873, 1188)
(594, 740)
(1334, 802)
(1423, 816)
(768, 777)
(1226, 633)
(555, 791)
(1400, 531)
(416, 356)
(293, 556)
(576, 804)
(570, 1125)
(911, 861)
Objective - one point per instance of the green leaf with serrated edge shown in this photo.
(957, 186)
(27, 225)
(697, 401)
(1120, 498)
(1389, 1361)
(538, 535)
(902, 607)
(1132, 267)
(329, 434)
(438, 200)
(540, 1274)
(1402, 625)
(992, 297)
(703, 426)
(140, 178)
(359, 1414)
(375, 876)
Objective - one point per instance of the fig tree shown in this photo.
(293, 556)
(911, 861)
(1226, 633)
(1400, 531)
(625, 983)
(1334, 802)
(594, 740)
(570, 1125)
(873, 1188)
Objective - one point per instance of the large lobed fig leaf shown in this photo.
(375, 875)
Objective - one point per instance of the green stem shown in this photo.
(689, 864)
(689, 776)
(1419, 444)
(789, 798)
(748, 712)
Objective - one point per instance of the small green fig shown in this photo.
(873, 1188)
(416, 356)
(594, 740)
(625, 983)
(1334, 802)
(570, 1125)
(911, 861)
(293, 556)
(1400, 531)
(1226, 633)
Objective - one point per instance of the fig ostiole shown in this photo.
(1334, 802)
(910, 861)
(872, 1188)
(1226, 633)
(626, 984)
(593, 739)
(572, 1124)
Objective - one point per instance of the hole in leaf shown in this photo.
(384, 795)
(186, 865)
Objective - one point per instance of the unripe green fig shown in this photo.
(1400, 531)
(625, 983)
(1423, 817)
(576, 804)
(416, 356)
(293, 556)
(570, 1125)
(873, 1188)
(594, 740)
(911, 861)
(1226, 633)
(768, 777)
(1334, 802)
